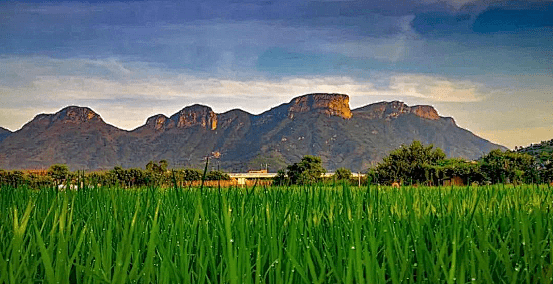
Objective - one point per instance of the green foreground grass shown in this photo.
(319, 234)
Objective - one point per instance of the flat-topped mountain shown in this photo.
(389, 110)
(314, 124)
(329, 104)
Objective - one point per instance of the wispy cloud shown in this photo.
(436, 89)
(145, 89)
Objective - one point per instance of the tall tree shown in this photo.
(307, 171)
(59, 173)
(409, 163)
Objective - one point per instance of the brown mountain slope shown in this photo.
(316, 124)
(75, 136)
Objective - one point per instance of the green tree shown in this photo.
(37, 181)
(132, 177)
(157, 172)
(281, 178)
(217, 175)
(191, 174)
(102, 178)
(342, 174)
(410, 164)
(501, 167)
(468, 171)
(59, 173)
(307, 171)
(158, 168)
(12, 178)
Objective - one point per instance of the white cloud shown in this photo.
(435, 88)
(144, 90)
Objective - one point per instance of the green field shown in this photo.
(319, 234)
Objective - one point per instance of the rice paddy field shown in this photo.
(316, 234)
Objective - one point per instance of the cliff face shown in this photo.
(314, 124)
(156, 122)
(389, 110)
(328, 104)
(196, 115)
(74, 114)
(427, 112)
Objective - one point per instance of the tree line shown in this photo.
(154, 174)
(409, 164)
(426, 165)
(419, 164)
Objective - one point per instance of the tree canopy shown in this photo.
(409, 163)
(342, 174)
(59, 173)
(416, 163)
(307, 171)
(508, 166)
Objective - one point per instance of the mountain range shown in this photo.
(314, 124)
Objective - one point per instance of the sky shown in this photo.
(486, 63)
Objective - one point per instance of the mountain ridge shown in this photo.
(4, 133)
(318, 124)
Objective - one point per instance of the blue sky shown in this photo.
(487, 63)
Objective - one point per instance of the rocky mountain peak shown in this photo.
(75, 114)
(329, 104)
(390, 110)
(71, 115)
(157, 121)
(425, 111)
(196, 115)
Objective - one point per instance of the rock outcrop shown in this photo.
(156, 122)
(196, 115)
(328, 104)
(75, 114)
(394, 109)
(427, 112)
